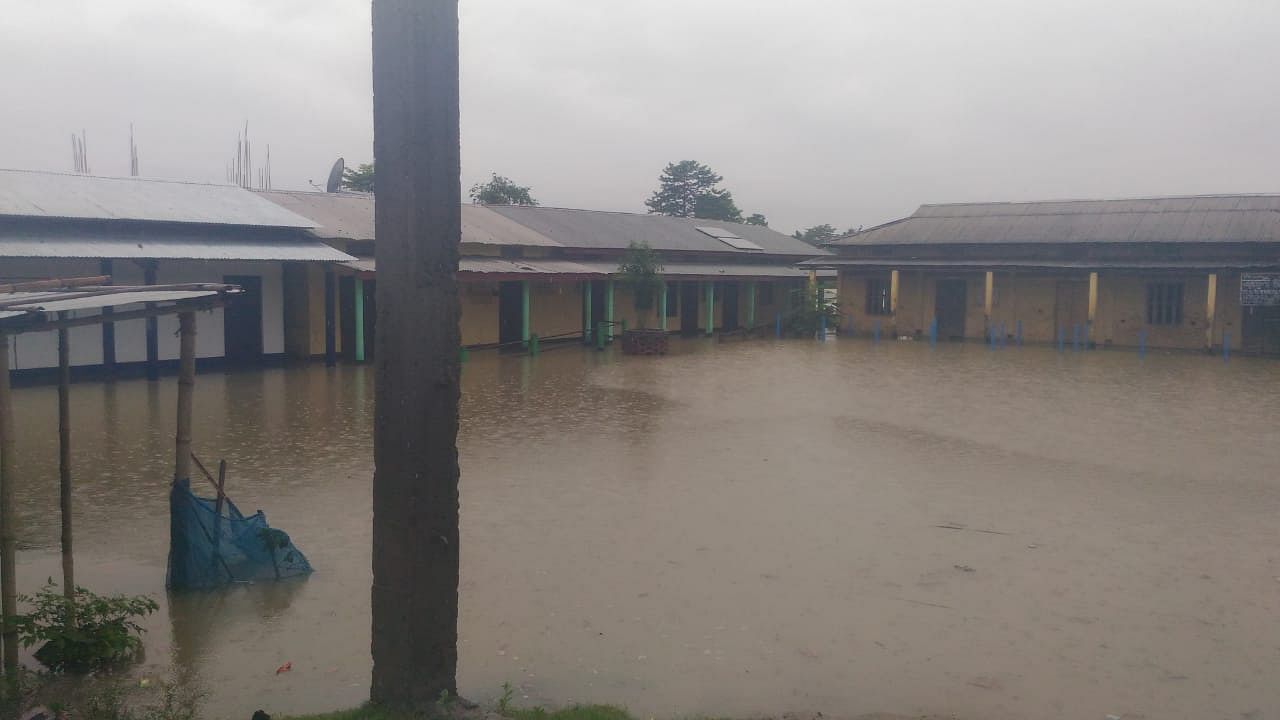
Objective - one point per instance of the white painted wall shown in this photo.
(40, 350)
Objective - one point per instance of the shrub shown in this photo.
(83, 633)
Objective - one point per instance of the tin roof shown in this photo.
(36, 194)
(543, 266)
(45, 304)
(350, 216)
(81, 243)
(1194, 219)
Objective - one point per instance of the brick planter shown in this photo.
(645, 342)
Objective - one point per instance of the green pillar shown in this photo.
(586, 311)
(751, 305)
(608, 306)
(662, 306)
(359, 319)
(711, 307)
(524, 312)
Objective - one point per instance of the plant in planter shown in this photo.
(639, 271)
(84, 633)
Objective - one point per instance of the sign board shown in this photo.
(1259, 289)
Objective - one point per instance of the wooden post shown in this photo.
(1090, 332)
(186, 388)
(1210, 311)
(358, 318)
(8, 532)
(108, 329)
(64, 465)
(414, 638)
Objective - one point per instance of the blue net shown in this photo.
(207, 550)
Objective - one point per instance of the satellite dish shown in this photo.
(335, 176)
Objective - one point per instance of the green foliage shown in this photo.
(504, 702)
(680, 186)
(817, 235)
(806, 308)
(501, 191)
(640, 270)
(717, 204)
(757, 219)
(87, 633)
(576, 712)
(359, 178)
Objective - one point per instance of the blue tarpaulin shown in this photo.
(208, 550)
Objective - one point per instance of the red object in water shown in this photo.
(284, 668)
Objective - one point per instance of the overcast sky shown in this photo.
(838, 111)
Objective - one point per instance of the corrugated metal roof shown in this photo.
(349, 216)
(1201, 219)
(616, 230)
(153, 247)
(28, 193)
(1209, 264)
(50, 302)
(540, 266)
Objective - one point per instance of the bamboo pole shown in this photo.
(186, 387)
(64, 467)
(8, 533)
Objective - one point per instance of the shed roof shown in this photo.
(350, 216)
(37, 194)
(75, 241)
(1192, 219)
(481, 266)
(25, 311)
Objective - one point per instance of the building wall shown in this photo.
(40, 350)
(555, 308)
(1040, 301)
(479, 303)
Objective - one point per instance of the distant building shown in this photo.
(142, 232)
(550, 272)
(1173, 272)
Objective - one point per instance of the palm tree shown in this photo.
(418, 227)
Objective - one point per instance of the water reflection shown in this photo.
(734, 529)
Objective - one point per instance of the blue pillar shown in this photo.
(875, 332)
(711, 308)
(933, 333)
(1226, 346)
(662, 306)
(608, 307)
(586, 311)
(777, 325)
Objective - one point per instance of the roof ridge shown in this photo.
(1103, 200)
(126, 178)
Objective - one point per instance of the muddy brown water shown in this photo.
(736, 529)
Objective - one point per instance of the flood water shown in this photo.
(735, 529)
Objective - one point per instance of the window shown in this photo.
(878, 296)
(765, 294)
(1164, 303)
(673, 300)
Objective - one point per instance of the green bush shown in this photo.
(85, 633)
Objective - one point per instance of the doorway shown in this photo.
(689, 309)
(511, 314)
(949, 307)
(242, 321)
(729, 307)
(1071, 307)
(1260, 330)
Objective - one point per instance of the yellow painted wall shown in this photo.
(555, 307)
(479, 303)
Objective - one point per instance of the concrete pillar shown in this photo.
(152, 328)
(108, 328)
(330, 318)
(751, 305)
(586, 311)
(524, 312)
(359, 319)
(662, 306)
(711, 307)
(1210, 310)
(8, 517)
(895, 279)
(988, 303)
(608, 307)
(1090, 338)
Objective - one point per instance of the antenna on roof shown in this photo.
(79, 154)
(133, 154)
(334, 183)
(240, 169)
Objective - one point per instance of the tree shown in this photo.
(817, 235)
(639, 270)
(757, 219)
(501, 191)
(717, 205)
(359, 179)
(680, 186)
(418, 221)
